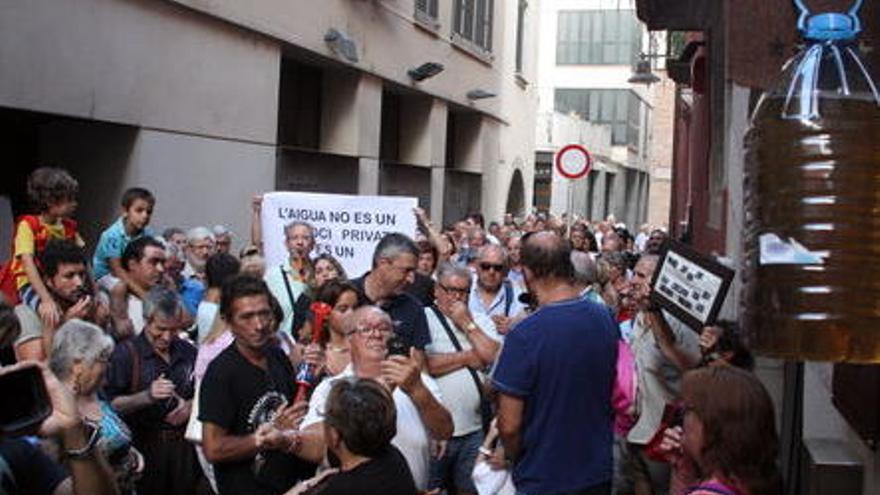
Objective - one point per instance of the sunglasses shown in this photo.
(491, 266)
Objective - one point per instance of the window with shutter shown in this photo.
(473, 21)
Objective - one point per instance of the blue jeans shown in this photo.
(454, 471)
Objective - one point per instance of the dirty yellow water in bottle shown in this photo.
(812, 205)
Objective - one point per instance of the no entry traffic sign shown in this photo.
(573, 161)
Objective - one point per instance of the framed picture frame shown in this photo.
(690, 285)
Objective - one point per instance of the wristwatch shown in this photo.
(470, 327)
(93, 431)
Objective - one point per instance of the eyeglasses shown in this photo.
(492, 266)
(456, 290)
(367, 330)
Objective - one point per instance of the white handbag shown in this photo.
(491, 482)
(487, 480)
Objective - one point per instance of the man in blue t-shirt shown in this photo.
(555, 376)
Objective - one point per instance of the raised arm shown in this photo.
(682, 357)
(256, 221)
(484, 347)
(405, 373)
(427, 227)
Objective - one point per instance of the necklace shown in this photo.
(337, 348)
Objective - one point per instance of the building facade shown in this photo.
(828, 414)
(209, 103)
(588, 50)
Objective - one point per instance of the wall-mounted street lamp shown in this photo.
(341, 45)
(480, 94)
(425, 71)
(643, 74)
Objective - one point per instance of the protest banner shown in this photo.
(348, 227)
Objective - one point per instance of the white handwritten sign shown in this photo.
(348, 227)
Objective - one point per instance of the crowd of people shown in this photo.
(520, 357)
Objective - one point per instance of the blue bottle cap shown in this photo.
(831, 26)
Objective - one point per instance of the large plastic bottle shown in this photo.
(812, 202)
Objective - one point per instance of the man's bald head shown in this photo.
(547, 256)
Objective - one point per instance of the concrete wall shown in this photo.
(659, 194)
(196, 180)
(204, 181)
(149, 64)
(196, 97)
(351, 114)
(379, 30)
(99, 155)
(660, 154)
(198, 83)
(299, 170)
(519, 106)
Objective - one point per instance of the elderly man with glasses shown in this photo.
(493, 294)
(462, 346)
(421, 417)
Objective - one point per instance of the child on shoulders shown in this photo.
(137, 209)
(52, 191)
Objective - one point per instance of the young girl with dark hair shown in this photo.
(342, 297)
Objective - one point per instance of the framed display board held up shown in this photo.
(690, 285)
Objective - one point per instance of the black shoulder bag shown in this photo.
(289, 296)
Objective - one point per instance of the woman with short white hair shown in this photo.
(80, 354)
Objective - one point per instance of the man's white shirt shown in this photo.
(458, 387)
